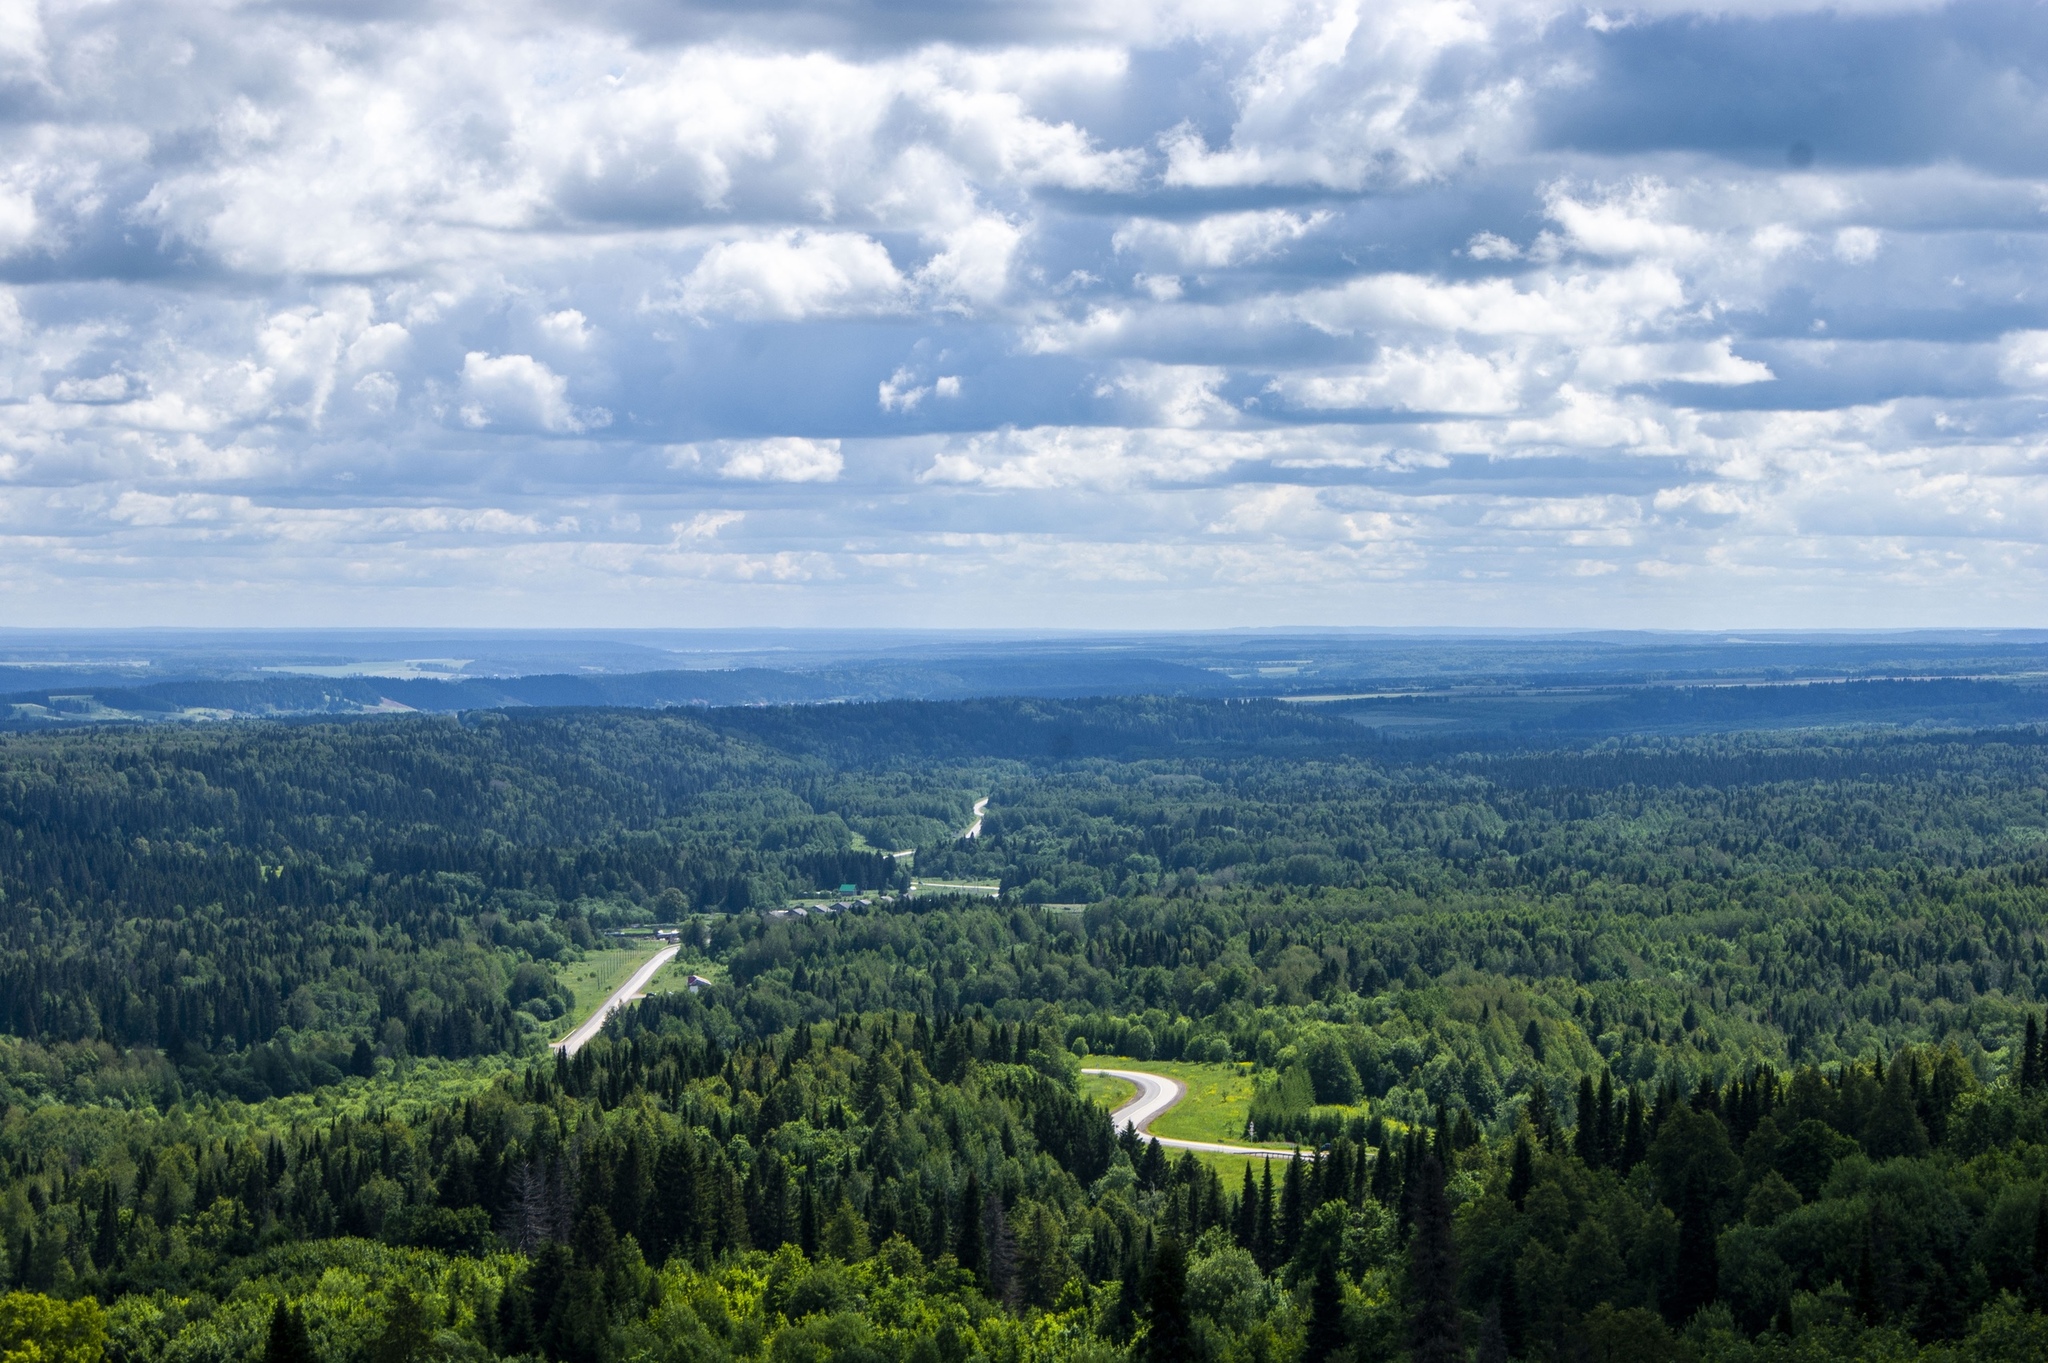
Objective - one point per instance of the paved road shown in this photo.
(973, 830)
(621, 996)
(1157, 1094)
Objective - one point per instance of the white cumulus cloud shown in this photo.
(794, 275)
(518, 390)
(783, 459)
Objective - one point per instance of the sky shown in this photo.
(1068, 314)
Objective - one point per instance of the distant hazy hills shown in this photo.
(1431, 717)
(1050, 676)
(1417, 686)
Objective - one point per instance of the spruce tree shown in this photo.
(1696, 1276)
(1493, 1340)
(1867, 1304)
(1384, 1174)
(1893, 1127)
(1635, 1133)
(967, 1232)
(405, 1335)
(289, 1340)
(1512, 1323)
(1586, 1140)
(107, 1235)
(1436, 1332)
(1002, 1251)
(1522, 1173)
(1943, 1309)
(2038, 1286)
(1542, 1119)
(1292, 1209)
(1122, 1319)
(1152, 1168)
(1247, 1227)
(1412, 1151)
(1325, 1308)
(1262, 1228)
(1169, 1333)
(1609, 1134)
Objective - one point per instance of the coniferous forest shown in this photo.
(1725, 1047)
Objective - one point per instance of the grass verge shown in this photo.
(1110, 1092)
(1219, 1098)
(592, 980)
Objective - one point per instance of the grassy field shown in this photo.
(1111, 1093)
(1218, 1100)
(676, 974)
(592, 980)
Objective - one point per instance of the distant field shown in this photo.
(988, 887)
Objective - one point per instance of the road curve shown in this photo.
(621, 996)
(1157, 1094)
(973, 830)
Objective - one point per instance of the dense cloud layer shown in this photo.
(1190, 313)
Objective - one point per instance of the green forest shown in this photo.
(1724, 1047)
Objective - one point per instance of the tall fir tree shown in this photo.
(1635, 1132)
(1001, 1271)
(1493, 1339)
(1542, 1117)
(106, 1242)
(1325, 1308)
(289, 1340)
(1609, 1136)
(1262, 1228)
(2038, 1283)
(1169, 1329)
(1868, 1304)
(1436, 1330)
(1521, 1171)
(1586, 1139)
(1385, 1177)
(967, 1232)
(1513, 1323)
(1696, 1273)
(1292, 1209)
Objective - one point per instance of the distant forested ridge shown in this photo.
(194, 891)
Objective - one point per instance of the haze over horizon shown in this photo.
(1062, 315)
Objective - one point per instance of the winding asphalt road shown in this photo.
(973, 830)
(621, 996)
(1157, 1094)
